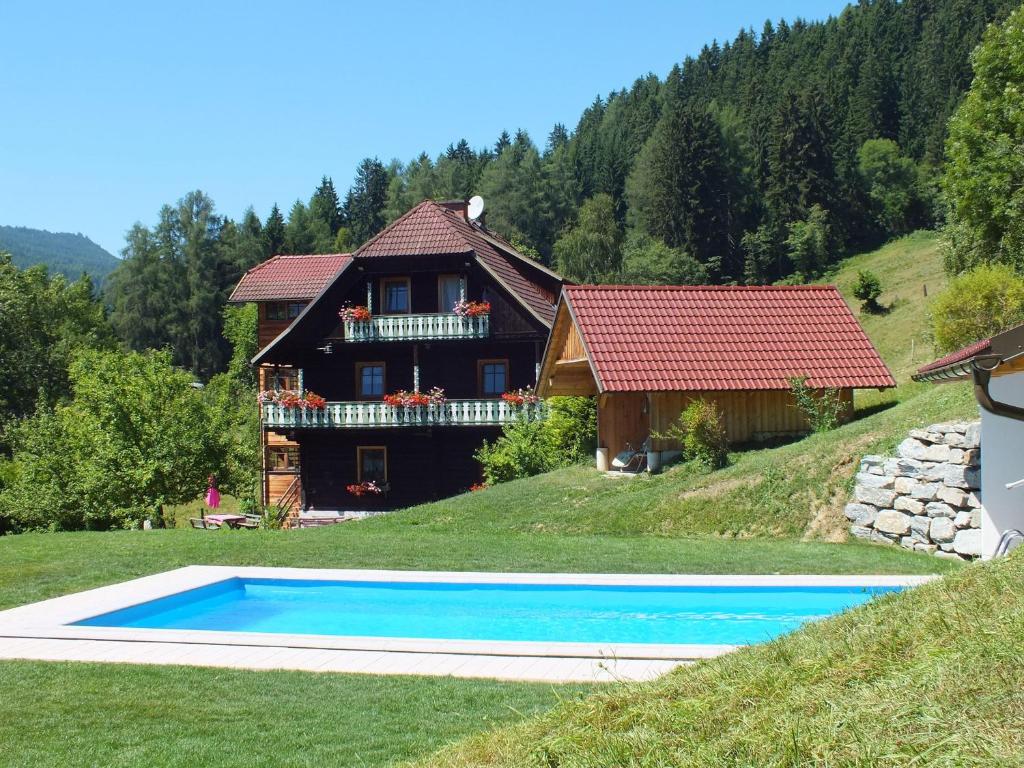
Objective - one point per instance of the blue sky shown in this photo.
(112, 109)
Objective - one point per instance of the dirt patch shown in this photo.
(720, 488)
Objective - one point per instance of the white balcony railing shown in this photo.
(467, 413)
(414, 327)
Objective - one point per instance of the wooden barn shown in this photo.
(645, 352)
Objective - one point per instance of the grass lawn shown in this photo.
(64, 714)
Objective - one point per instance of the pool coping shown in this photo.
(48, 622)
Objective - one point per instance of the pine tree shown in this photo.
(274, 231)
(591, 251)
(366, 201)
(298, 234)
(326, 206)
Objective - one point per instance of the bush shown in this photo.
(822, 407)
(567, 436)
(977, 304)
(868, 288)
(700, 432)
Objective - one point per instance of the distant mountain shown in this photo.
(60, 251)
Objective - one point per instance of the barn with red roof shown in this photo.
(647, 351)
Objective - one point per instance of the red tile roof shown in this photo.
(960, 356)
(644, 338)
(289, 277)
(431, 228)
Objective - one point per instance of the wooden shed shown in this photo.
(645, 352)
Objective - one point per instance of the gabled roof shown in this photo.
(705, 338)
(433, 229)
(280, 278)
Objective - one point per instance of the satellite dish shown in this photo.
(476, 207)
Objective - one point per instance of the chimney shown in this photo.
(459, 206)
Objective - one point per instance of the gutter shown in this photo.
(981, 369)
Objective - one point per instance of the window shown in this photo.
(396, 298)
(281, 378)
(493, 377)
(372, 464)
(370, 380)
(283, 458)
(282, 310)
(449, 292)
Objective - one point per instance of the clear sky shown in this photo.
(112, 109)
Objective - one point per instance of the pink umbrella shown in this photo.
(212, 494)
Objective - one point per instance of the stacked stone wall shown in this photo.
(925, 498)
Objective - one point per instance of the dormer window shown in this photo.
(396, 295)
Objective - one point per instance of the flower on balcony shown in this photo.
(408, 399)
(472, 308)
(368, 487)
(313, 401)
(521, 397)
(289, 399)
(348, 313)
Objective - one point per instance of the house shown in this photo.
(996, 368)
(646, 352)
(412, 341)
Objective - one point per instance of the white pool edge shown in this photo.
(43, 629)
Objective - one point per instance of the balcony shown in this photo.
(417, 328)
(362, 415)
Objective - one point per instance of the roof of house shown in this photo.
(992, 353)
(432, 228)
(299, 277)
(703, 338)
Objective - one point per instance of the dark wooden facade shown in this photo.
(422, 462)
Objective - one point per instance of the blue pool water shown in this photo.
(539, 612)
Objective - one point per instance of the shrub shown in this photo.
(822, 407)
(700, 432)
(567, 436)
(977, 304)
(868, 288)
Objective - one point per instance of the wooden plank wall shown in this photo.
(621, 419)
(573, 347)
(748, 415)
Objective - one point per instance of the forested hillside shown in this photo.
(63, 252)
(764, 158)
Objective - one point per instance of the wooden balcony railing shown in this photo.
(415, 327)
(466, 413)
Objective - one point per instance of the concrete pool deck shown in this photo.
(45, 631)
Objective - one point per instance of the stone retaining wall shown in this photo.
(925, 498)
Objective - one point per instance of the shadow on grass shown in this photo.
(870, 410)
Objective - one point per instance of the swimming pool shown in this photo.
(494, 611)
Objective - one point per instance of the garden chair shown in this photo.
(632, 459)
(203, 523)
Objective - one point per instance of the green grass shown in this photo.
(62, 714)
(927, 678)
(911, 273)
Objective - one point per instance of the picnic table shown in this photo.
(231, 521)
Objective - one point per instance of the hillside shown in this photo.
(911, 272)
(931, 677)
(69, 254)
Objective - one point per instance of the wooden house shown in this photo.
(645, 352)
(433, 302)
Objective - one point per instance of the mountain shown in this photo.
(69, 254)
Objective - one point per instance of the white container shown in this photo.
(602, 459)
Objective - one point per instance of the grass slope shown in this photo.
(911, 273)
(931, 677)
